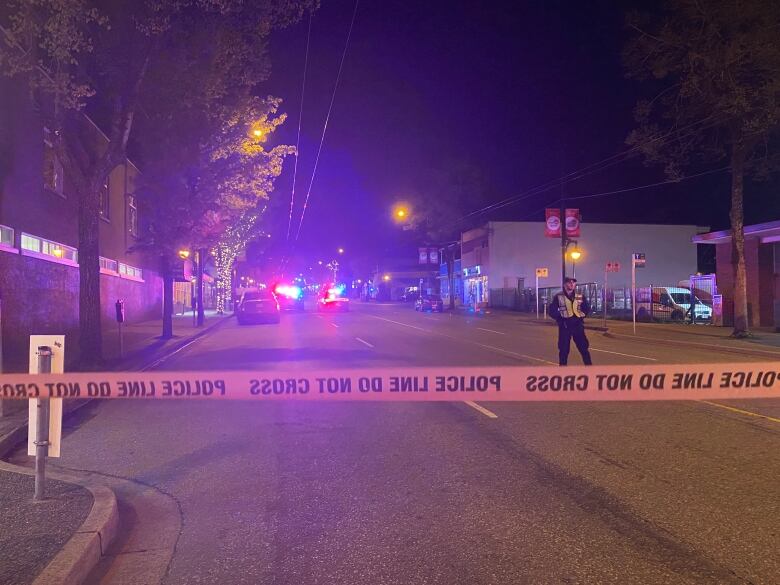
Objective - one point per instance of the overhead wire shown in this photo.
(327, 119)
(300, 121)
(598, 166)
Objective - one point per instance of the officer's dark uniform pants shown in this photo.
(575, 330)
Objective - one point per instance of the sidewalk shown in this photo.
(62, 534)
(764, 340)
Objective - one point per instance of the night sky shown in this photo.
(527, 92)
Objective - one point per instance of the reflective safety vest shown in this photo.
(569, 308)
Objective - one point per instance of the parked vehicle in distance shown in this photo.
(332, 298)
(258, 306)
(290, 297)
(431, 303)
(674, 303)
(411, 294)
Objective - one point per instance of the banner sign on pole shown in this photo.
(542, 272)
(433, 255)
(572, 223)
(639, 259)
(552, 223)
(613, 266)
(423, 253)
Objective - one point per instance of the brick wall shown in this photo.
(40, 297)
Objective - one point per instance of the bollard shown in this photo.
(42, 428)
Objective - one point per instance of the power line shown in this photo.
(327, 119)
(300, 120)
(587, 170)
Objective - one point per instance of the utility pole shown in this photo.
(564, 240)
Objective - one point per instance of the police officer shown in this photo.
(569, 311)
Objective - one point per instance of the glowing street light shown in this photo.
(401, 212)
(184, 254)
(341, 250)
(386, 277)
(575, 254)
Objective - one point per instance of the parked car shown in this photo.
(333, 298)
(258, 307)
(290, 297)
(431, 303)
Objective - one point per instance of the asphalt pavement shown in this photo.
(438, 493)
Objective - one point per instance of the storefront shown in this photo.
(475, 286)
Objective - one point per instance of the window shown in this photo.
(130, 271)
(132, 215)
(53, 173)
(6, 236)
(42, 247)
(109, 265)
(105, 202)
(31, 243)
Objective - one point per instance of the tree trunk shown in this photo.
(201, 262)
(90, 332)
(451, 276)
(167, 318)
(741, 325)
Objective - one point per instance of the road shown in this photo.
(441, 493)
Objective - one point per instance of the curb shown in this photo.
(87, 546)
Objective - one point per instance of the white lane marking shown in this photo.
(481, 409)
(403, 324)
(641, 357)
(724, 349)
(491, 331)
(498, 349)
(506, 351)
(334, 325)
(364, 342)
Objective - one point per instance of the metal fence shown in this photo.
(660, 303)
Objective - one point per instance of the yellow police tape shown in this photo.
(667, 382)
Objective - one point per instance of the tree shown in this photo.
(444, 208)
(116, 58)
(716, 68)
(216, 180)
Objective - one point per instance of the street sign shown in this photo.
(613, 267)
(542, 272)
(638, 259)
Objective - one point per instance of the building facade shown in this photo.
(762, 264)
(502, 256)
(39, 259)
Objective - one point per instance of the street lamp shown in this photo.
(184, 254)
(401, 212)
(386, 278)
(575, 255)
(341, 250)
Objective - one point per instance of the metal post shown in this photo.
(121, 342)
(42, 428)
(1, 350)
(537, 296)
(605, 297)
(633, 291)
(564, 241)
